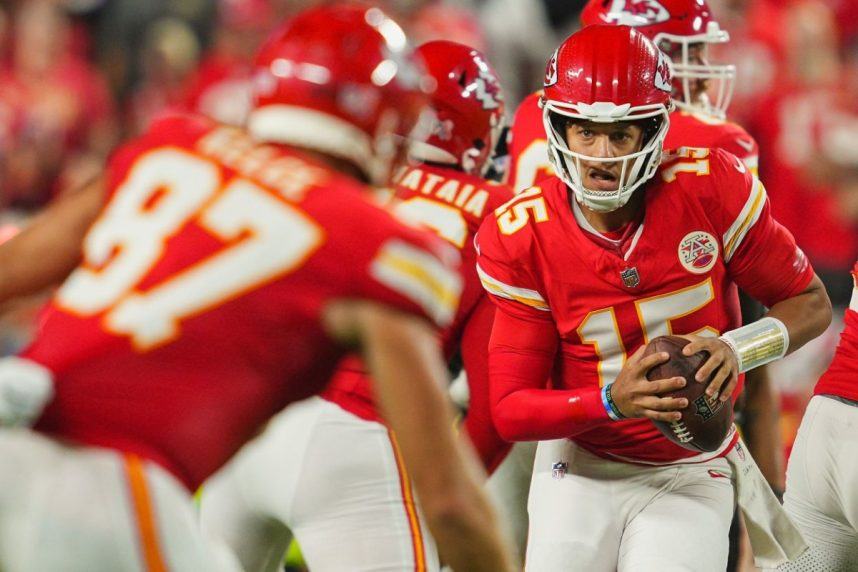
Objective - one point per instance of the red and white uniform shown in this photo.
(720, 234)
(195, 315)
(452, 204)
(572, 306)
(823, 466)
(528, 148)
(352, 486)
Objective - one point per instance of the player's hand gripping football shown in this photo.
(722, 365)
(635, 396)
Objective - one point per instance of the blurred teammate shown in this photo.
(222, 280)
(328, 470)
(821, 495)
(586, 268)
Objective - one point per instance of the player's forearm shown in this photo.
(541, 414)
(805, 315)
(478, 425)
(45, 252)
(408, 371)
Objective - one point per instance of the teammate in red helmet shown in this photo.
(586, 267)
(328, 470)
(224, 276)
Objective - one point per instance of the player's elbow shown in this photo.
(818, 309)
(508, 420)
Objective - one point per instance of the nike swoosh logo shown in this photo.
(717, 475)
(746, 144)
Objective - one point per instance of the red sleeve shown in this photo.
(504, 272)
(761, 255)
(521, 355)
(474, 349)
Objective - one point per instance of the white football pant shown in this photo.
(822, 486)
(590, 514)
(330, 478)
(87, 509)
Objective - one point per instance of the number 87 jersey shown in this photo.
(196, 313)
(706, 228)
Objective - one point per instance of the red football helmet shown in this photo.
(340, 80)
(607, 74)
(675, 25)
(468, 106)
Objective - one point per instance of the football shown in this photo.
(706, 421)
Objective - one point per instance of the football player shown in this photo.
(823, 466)
(222, 280)
(328, 470)
(590, 265)
(685, 30)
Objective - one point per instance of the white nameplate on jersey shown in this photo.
(698, 252)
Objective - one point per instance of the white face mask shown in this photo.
(722, 77)
(637, 167)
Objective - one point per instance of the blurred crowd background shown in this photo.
(77, 76)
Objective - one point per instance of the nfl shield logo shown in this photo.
(630, 277)
(558, 469)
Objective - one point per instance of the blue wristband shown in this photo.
(608, 402)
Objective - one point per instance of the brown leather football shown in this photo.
(705, 421)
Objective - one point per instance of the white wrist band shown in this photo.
(758, 343)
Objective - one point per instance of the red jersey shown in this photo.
(699, 130)
(841, 378)
(528, 148)
(706, 228)
(452, 204)
(195, 315)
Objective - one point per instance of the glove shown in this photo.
(25, 388)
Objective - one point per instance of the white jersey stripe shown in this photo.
(524, 296)
(732, 239)
(420, 277)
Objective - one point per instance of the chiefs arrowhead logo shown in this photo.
(551, 71)
(662, 73)
(637, 13)
(488, 91)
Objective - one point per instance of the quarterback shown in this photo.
(587, 267)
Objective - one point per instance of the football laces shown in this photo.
(680, 429)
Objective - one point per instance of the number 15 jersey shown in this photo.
(196, 314)
(706, 228)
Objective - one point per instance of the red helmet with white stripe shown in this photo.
(340, 80)
(676, 26)
(607, 74)
(468, 105)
